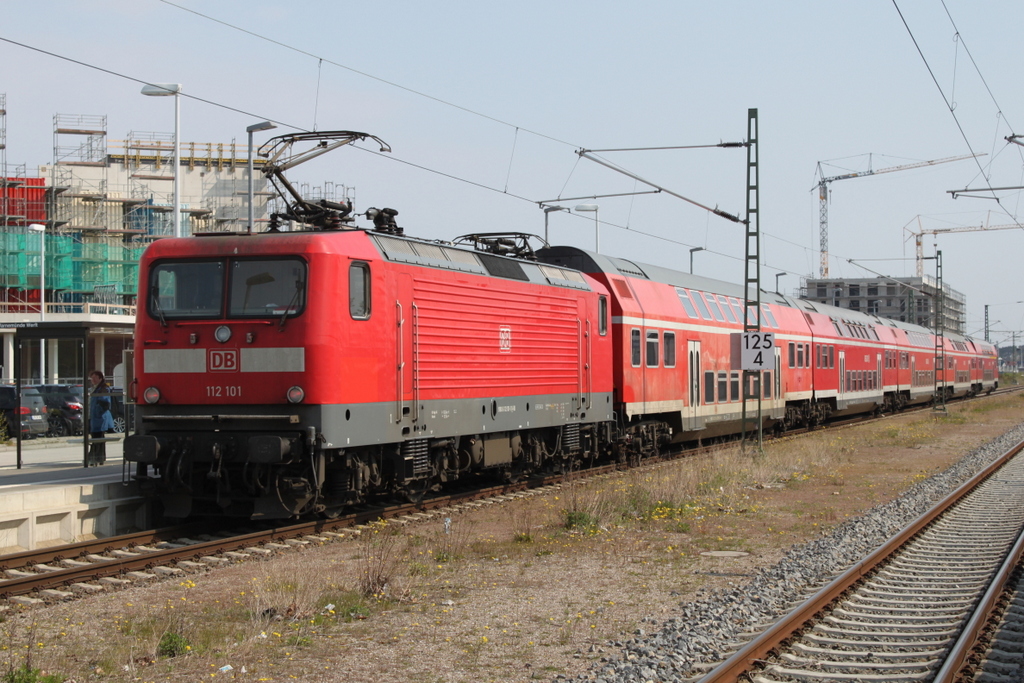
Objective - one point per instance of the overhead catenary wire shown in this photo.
(393, 158)
(948, 104)
(364, 74)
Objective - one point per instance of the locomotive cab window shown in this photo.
(634, 347)
(186, 289)
(359, 290)
(267, 288)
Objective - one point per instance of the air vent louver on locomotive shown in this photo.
(419, 452)
(570, 437)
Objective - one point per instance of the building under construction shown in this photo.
(100, 203)
(908, 299)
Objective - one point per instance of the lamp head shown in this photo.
(161, 89)
(265, 125)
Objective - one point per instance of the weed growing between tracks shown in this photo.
(508, 592)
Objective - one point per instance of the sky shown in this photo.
(485, 106)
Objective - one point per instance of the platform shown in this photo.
(53, 499)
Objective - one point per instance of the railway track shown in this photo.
(913, 610)
(64, 572)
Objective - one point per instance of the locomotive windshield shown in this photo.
(254, 288)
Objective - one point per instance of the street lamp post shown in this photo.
(692, 251)
(777, 276)
(41, 229)
(163, 90)
(265, 125)
(597, 225)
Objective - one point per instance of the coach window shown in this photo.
(725, 308)
(698, 301)
(723, 388)
(734, 386)
(359, 290)
(768, 315)
(767, 383)
(831, 357)
(652, 348)
(792, 355)
(737, 309)
(670, 349)
(634, 347)
(713, 305)
(684, 299)
(709, 387)
(799, 355)
(602, 315)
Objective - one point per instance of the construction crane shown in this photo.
(823, 196)
(919, 236)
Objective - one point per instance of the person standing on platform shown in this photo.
(100, 419)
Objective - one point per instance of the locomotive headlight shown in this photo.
(296, 394)
(222, 333)
(151, 395)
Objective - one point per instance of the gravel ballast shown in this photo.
(709, 629)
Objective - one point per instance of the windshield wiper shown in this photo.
(299, 286)
(159, 311)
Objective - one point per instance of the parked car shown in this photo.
(65, 409)
(123, 413)
(33, 412)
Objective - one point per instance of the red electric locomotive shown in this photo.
(288, 373)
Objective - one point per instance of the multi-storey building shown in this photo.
(910, 299)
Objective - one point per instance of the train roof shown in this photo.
(591, 262)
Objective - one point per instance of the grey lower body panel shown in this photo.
(369, 424)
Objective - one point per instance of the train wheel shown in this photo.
(414, 491)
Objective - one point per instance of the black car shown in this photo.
(65, 409)
(33, 412)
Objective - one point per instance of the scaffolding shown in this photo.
(103, 201)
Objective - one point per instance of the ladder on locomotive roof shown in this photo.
(752, 279)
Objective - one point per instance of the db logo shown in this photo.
(223, 360)
(505, 339)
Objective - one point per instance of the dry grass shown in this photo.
(512, 592)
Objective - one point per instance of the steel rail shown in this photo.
(760, 648)
(973, 631)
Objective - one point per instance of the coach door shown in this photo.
(842, 372)
(691, 412)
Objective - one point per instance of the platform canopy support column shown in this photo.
(42, 332)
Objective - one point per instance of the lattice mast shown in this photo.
(752, 274)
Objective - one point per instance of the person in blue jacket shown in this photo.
(100, 419)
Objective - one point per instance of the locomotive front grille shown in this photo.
(418, 451)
